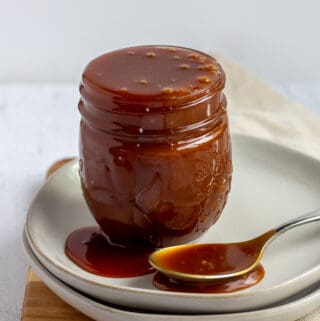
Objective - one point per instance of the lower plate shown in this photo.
(288, 310)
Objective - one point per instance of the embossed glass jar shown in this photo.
(155, 152)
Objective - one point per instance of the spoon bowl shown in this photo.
(221, 261)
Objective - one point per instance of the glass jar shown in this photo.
(155, 153)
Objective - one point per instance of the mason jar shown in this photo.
(155, 152)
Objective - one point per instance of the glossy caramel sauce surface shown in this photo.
(150, 72)
(90, 250)
(155, 152)
(209, 259)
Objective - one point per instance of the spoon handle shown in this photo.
(303, 219)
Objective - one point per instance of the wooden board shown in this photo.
(41, 304)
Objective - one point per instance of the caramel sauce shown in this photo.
(155, 152)
(165, 283)
(155, 159)
(153, 72)
(208, 259)
(90, 250)
(211, 259)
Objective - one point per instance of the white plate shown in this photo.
(271, 184)
(288, 310)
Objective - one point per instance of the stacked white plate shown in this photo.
(271, 184)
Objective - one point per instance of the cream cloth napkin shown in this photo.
(257, 110)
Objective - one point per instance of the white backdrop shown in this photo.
(52, 40)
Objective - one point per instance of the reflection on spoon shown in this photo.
(216, 262)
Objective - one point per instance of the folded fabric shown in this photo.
(256, 109)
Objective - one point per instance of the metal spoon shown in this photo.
(216, 262)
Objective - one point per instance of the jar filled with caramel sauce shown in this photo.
(155, 153)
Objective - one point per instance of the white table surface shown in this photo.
(38, 125)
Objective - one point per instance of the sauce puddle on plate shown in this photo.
(90, 250)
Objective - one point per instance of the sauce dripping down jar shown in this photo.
(155, 152)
